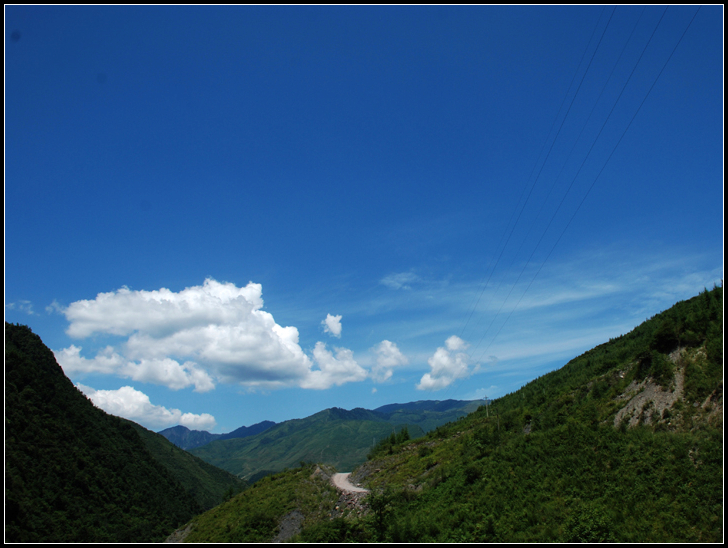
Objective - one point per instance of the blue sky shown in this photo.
(216, 216)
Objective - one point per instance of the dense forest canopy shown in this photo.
(74, 473)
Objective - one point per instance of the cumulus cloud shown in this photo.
(388, 356)
(134, 405)
(107, 361)
(165, 371)
(447, 364)
(162, 311)
(215, 332)
(332, 370)
(332, 325)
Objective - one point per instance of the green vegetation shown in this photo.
(187, 439)
(208, 484)
(622, 444)
(255, 514)
(335, 436)
(427, 414)
(387, 446)
(72, 472)
(574, 482)
(549, 464)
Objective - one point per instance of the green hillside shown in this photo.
(622, 444)
(334, 436)
(428, 415)
(276, 504)
(73, 473)
(208, 484)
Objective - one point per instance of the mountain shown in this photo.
(208, 484)
(245, 431)
(423, 405)
(428, 414)
(334, 436)
(185, 438)
(74, 473)
(622, 444)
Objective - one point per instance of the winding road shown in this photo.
(341, 481)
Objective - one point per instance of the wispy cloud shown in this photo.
(401, 280)
(22, 306)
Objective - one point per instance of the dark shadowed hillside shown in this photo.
(74, 473)
(208, 484)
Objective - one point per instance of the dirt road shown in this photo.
(341, 481)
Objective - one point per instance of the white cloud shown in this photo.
(401, 280)
(134, 405)
(162, 311)
(332, 325)
(388, 357)
(170, 373)
(333, 370)
(54, 307)
(213, 331)
(107, 361)
(165, 371)
(22, 306)
(447, 364)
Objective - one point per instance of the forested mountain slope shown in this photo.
(209, 484)
(622, 444)
(74, 473)
(334, 436)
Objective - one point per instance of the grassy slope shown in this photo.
(254, 515)
(429, 419)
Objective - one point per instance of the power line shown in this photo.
(567, 192)
(547, 155)
(607, 160)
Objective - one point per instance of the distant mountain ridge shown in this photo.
(184, 438)
(399, 413)
(422, 405)
(334, 436)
